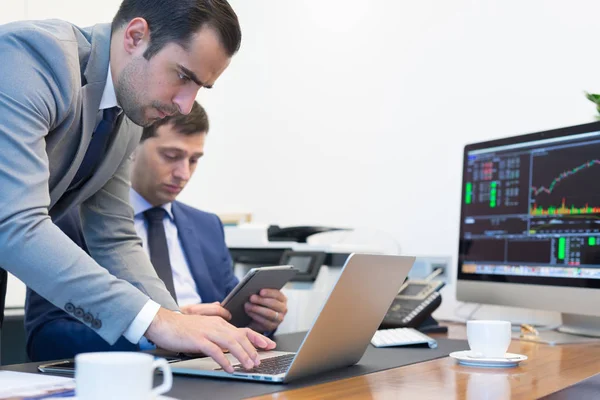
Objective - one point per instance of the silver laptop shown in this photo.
(341, 332)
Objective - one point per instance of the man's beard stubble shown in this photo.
(129, 92)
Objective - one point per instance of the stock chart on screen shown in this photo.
(533, 208)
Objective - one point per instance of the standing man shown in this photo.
(69, 99)
(186, 245)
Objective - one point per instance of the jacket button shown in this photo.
(69, 308)
(78, 312)
(88, 318)
(97, 324)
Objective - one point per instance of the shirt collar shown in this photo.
(140, 204)
(109, 97)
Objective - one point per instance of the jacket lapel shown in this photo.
(190, 241)
(90, 94)
(95, 73)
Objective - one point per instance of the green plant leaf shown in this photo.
(593, 97)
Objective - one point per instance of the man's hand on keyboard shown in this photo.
(207, 334)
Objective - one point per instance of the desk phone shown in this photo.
(415, 301)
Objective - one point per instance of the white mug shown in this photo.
(488, 339)
(119, 375)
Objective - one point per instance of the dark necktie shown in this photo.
(97, 146)
(157, 244)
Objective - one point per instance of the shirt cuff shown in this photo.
(145, 344)
(142, 321)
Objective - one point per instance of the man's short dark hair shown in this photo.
(195, 123)
(177, 20)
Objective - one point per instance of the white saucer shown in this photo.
(509, 360)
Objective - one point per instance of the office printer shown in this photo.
(305, 247)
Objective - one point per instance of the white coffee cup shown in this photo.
(119, 375)
(488, 339)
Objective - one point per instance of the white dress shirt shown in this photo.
(183, 280)
(142, 321)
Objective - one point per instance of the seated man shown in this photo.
(186, 246)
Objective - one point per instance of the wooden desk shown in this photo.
(548, 370)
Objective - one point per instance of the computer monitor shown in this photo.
(530, 224)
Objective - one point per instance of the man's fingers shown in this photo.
(272, 304)
(247, 360)
(220, 311)
(212, 309)
(210, 335)
(272, 314)
(214, 352)
(274, 294)
(186, 309)
(248, 347)
(266, 324)
(253, 309)
(259, 340)
(236, 341)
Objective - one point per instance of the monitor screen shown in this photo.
(530, 209)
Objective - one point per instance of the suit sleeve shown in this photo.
(70, 224)
(107, 220)
(228, 278)
(33, 86)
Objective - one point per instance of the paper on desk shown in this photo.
(21, 386)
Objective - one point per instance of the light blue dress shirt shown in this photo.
(185, 286)
(183, 280)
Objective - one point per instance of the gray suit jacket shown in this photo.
(52, 77)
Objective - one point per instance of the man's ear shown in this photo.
(136, 36)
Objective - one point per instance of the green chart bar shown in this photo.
(493, 194)
(591, 241)
(469, 193)
(562, 243)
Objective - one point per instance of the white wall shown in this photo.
(354, 113)
(12, 10)
(80, 12)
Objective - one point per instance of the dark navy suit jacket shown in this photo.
(53, 334)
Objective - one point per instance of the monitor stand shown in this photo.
(574, 329)
(585, 325)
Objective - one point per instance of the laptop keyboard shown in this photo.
(269, 366)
